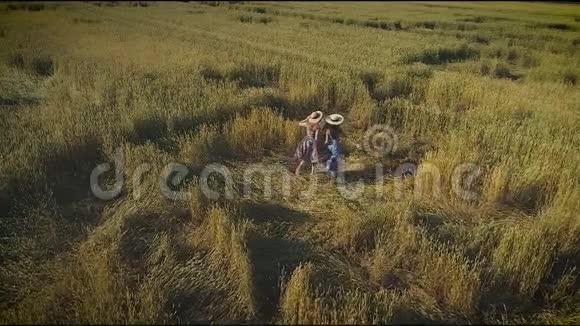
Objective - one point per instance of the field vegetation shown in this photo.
(495, 85)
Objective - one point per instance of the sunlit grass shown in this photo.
(495, 86)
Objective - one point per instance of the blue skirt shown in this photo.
(335, 152)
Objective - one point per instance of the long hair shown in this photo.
(335, 131)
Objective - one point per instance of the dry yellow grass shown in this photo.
(472, 85)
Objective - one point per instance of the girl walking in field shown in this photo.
(307, 150)
(333, 133)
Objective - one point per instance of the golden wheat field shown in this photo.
(458, 199)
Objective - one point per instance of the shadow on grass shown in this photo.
(293, 110)
(531, 198)
(139, 234)
(150, 128)
(68, 170)
(247, 75)
(254, 75)
(444, 55)
(556, 26)
(366, 173)
(18, 100)
(502, 71)
(261, 212)
(273, 255)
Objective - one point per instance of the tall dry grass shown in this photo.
(191, 83)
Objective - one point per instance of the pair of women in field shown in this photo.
(308, 149)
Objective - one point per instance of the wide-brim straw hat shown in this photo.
(315, 117)
(335, 119)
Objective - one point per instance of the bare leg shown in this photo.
(317, 167)
(299, 167)
(313, 168)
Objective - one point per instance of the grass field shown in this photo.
(490, 87)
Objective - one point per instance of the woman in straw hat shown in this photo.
(332, 136)
(307, 150)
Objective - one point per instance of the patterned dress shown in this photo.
(307, 150)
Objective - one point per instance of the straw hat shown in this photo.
(315, 117)
(335, 119)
